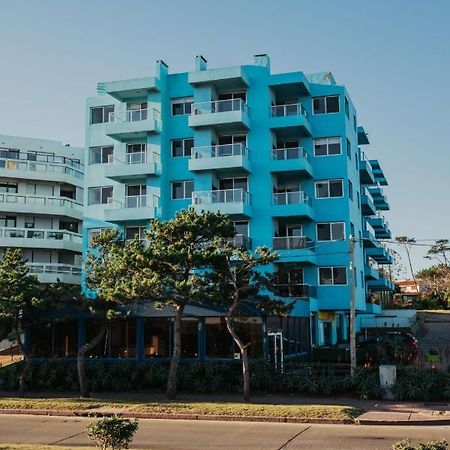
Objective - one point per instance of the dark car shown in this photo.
(393, 347)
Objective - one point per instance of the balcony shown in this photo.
(292, 204)
(378, 172)
(295, 249)
(133, 207)
(241, 241)
(37, 204)
(133, 124)
(365, 171)
(380, 227)
(135, 166)
(369, 240)
(40, 238)
(381, 284)
(129, 90)
(290, 120)
(42, 170)
(379, 199)
(380, 254)
(371, 273)
(52, 272)
(230, 78)
(295, 290)
(367, 205)
(235, 202)
(224, 115)
(291, 160)
(220, 157)
(362, 136)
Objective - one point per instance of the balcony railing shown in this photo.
(291, 198)
(280, 154)
(136, 158)
(241, 241)
(40, 200)
(57, 268)
(295, 290)
(292, 243)
(135, 201)
(41, 167)
(217, 106)
(218, 151)
(35, 233)
(292, 109)
(135, 115)
(220, 196)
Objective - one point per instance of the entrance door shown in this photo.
(327, 333)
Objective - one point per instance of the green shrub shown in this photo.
(112, 432)
(433, 445)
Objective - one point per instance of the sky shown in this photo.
(392, 55)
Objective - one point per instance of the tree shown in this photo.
(440, 251)
(20, 297)
(245, 288)
(112, 267)
(175, 267)
(408, 243)
(437, 280)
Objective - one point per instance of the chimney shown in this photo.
(200, 63)
(161, 69)
(262, 60)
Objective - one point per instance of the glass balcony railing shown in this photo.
(292, 109)
(220, 196)
(291, 198)
(280, 154)
(35, 233)
(219, 151)
(40, 200)
(135, 201)
(295, 290)
(218, 106)
(136, 158)
(241, 241)
(135, 115)
(292, 243)
(56, 268)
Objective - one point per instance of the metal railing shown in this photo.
(292, 243)
(241, 241)
(294, 290)
(292, 109)
(288, 153)
(38, 166)
(37, 233)
(135, 115)
(218, 151)
(291, 198)
(220, 196)
(40, 200)
(217, 106)
(58, 268)
(135, 201)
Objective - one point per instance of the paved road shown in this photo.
(208, 435)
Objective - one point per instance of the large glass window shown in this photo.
(8, 221)
(101, 155)
(182, 189)
(327, 146)
(182, 106)
(123, 338)
(330, 231)
(326, 105)
(136, 111)
(332, 276)
(250, 330)
(329, 188)
(7, 187)
(99, 195)
(156, 337)
(182, 147)
(219, 343)
(189, 341)
(102, 114)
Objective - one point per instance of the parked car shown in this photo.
(394, 347)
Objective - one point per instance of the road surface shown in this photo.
(209, 435)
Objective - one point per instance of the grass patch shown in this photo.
(305, 412)
(434, 311)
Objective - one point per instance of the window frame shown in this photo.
(327, 139)
(183, 101)
(172, 183)
(328, 183)
(330, 225)
(101, 194)
(333, 277)
(183, 145)
(102, 107)
(326, 97)
(102, 149)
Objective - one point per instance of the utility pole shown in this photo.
(352, 307)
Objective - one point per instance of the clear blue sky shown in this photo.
(393, 56)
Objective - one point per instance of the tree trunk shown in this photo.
(26, 359)
(176, 355)
(81, 366)
(243, 348)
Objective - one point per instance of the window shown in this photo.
(102, 114)
(332, 276)
(233, 183)
(100, 155)
(136, 153)
(30, 222)
(347, 108)
(327, 146)
(350, 190)
(354, 122)
(352, 230)
(182, 147)
(10, 188)
(182, 106)
(349, 150)
(326, 105)
(8, 221)
(330, 231)
(358, 199)
(92, 232)
(99, 195)
(329, 189)
(135, 233)
(182, 189)
(136, 111)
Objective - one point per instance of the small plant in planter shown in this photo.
(433, 445)
(115, 433)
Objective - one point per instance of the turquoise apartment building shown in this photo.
(281, 154)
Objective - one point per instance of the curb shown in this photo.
(137, 415)
(425, 422)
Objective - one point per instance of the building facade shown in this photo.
(41, 205)
(279, 153)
